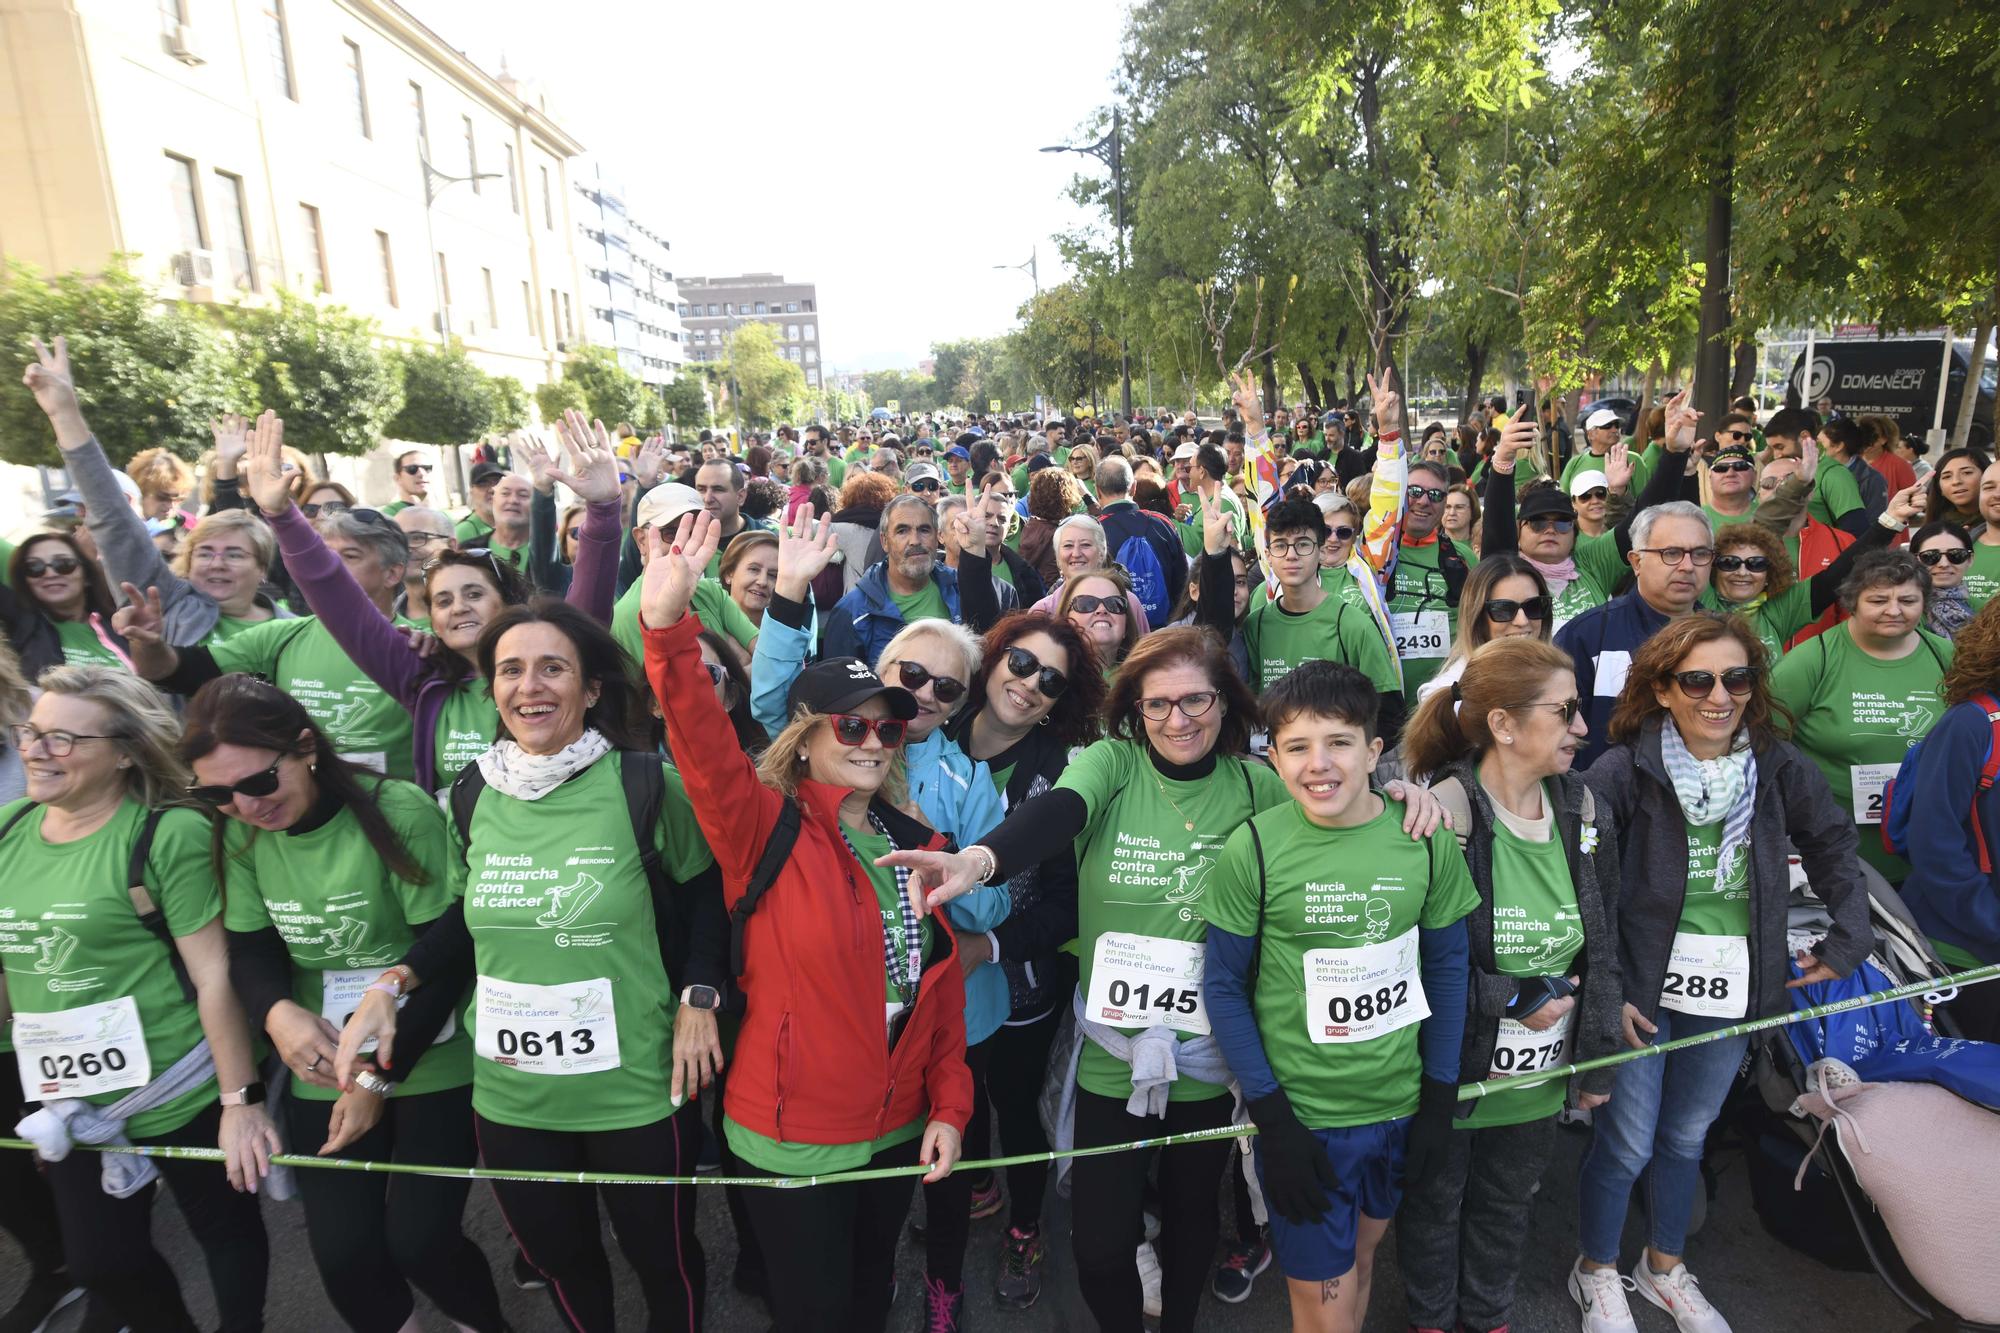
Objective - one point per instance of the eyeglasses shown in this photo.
(1432, 493)
(1021, 664)
(923, 486)
(853, 729)
(257, 784)
(467, 555)
(1300, 548)
(1089, 605)
(1732, 465)
(1729, 564)
(1502, 610)
(426, 538)
(62, 564)
(1567, 709)
(329, 507)
(1595, 493)
(1191, 705)
(1674, 555)
(1549, 523)
(57, 743)
(1958, 555)
(413, 469)
(914, 677)
(1738, 681)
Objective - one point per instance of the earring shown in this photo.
(802, 756)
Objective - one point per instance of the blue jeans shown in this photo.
(1659, 1112)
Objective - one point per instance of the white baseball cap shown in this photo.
(1588, 480)
(1187, 450)
(1603, 416)
(665, 504)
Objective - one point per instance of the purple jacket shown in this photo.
(378, 646)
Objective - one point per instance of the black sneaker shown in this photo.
(526, 1276)
(1240, 1267)
(46, 1293)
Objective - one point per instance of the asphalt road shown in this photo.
(1761, 1286)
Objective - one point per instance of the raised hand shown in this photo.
(806, 546)
(1218, 525)
(531, 452)
(140, 620)
(232, 439)
(1249, 401)
(1388, 403)
(593, 463)
(1681, 420)
(1907, 505)
(1517, 438)
(648, 461)
(673, 568)
(48, 377)
(1618, 467)
(264, 466)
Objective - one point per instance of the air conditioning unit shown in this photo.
(184, 47)
(195, 268)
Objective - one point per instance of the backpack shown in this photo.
(1897, 796)
(1149, 577)
(148, 911)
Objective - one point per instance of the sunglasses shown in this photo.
(1595, 493)
(1958, 555)
(1566, 709)
(62, 564)
(1550, 523)
(1502, 610)
(413, 469)
(853, 729)
(1738, 681)
(1115, 604)
(914, 677)
(923, 486)
(330, 507)
(1729, 564)
(717, 673)
(1021, 664)
(1191, 705)
(1736, 434)
(257, 784)
(1733, 465)
(1342, 533)
(1432, 493)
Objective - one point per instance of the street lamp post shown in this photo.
(1110, 151)
(1031, 268)
(435, 183)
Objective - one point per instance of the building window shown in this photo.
(568, 327)
(761, 308)
(555, 316)
(812, 355)
(315, 240)
(471, 155)
(388, 268)
(280, 48)
(422, 122)
(812, 379)
(492, 306)
(811, 332)
(528, 305)
(791, 307)
(183, 192)
(791, 333)
(548, 203)
(809, 306)
(236, 232)
(360, 83)
(711, 309)
(513, 190)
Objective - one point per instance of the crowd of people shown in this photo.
(859, 797)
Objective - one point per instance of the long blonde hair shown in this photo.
(140, 723)
(16, 695)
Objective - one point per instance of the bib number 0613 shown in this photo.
(580, 1041)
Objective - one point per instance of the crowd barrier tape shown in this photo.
(1934, 990)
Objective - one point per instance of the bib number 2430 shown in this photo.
(563, 1029)
(1420, 634)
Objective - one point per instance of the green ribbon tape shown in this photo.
(1466, 1092)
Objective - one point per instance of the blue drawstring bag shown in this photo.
(1887, 1043)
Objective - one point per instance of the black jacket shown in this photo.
(1123, 520)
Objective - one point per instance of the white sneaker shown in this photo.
(1149, 1279)
(1600, 1294)
(1680, 1296)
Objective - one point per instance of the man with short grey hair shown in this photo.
(907, 584)
(1158, 589)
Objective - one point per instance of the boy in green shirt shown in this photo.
(1336, 981)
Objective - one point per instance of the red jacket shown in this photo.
(812, 1063)
(1819, 546)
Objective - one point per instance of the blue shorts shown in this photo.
(1368, 1160)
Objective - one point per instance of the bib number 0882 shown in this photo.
(1368, 1004)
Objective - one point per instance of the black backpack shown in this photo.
(143, 904)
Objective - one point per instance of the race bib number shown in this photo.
(1708, 975)
(1366, 992)
(1420, 635)
(1143, 981)
(82, 1052)
(1612, 668)
(374, 760)
(1869, 786)
(1521, 1050)
(340, 996)
(566, 1029)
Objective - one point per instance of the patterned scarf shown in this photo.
(905, 971)
(1713, 789)
(1950, 609)
(530, 777)
(1558, 575)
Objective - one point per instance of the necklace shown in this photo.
(1185, 821)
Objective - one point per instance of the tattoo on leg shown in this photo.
(1329, 1291)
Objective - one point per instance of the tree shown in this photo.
(766, 384)
(687, 401)
(909, 390)
(1064, 351)
(318, 367)
(553, 398)
(510, 403)
(611, 393)
(446, 399)
(147, 373)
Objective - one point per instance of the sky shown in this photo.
(885, 150)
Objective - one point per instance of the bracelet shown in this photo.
(1891, 522)
(992, 862)
(1389, 435)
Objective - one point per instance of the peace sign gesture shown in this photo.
(48, 377)
(1681, 421)
(1249, 402)
(1388, 403)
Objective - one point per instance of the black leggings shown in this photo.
(27, 1209)
(948, 1204)
(110, 1241)
(1106, 1205)
(818, 1283)
(1017, 1062)
(556, 1226)
(365, 1229)
(749, 1257)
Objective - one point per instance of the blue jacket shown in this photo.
(1601, 642)
(862, 623)
(1951, 898)
(955, 793)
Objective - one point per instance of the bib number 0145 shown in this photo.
(1146, 981)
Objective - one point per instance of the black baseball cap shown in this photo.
(843, 684)
(1543, 501)
(483, 473)
(1735, 451)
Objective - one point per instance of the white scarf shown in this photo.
(529, 777)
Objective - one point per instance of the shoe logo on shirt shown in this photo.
(57, 946)
(570, 901)
(346, 715)
(586, 1005)
(1556, 948)
(1190, 880)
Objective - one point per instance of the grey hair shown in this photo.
(950, 504)
(390, 543)
(1642, 526)
(141, 724)
(1884, 569)
(1090, 525)
(1114, 476)
(961, 639)
(908, 498)
(426, 513)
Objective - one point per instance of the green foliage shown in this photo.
(1063, 348)
(767, 387)
(446, 399)
(687, 401)
(147, 373)
(318, 367)
(611, 392)
(510, 403)
(652, 413)
(911, 391)
(557, 396)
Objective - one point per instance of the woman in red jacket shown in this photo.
(852, 1052)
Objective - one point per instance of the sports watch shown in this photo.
(702, 997)
(251, 1094)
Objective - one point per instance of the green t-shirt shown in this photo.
(1001, 777)
(82, 647)
(555, 897)
(1643, 461)
(1717, 520)
(1858, 716)
(926, 603)
(1776, 619)
(472, 530)
(836, 471)
(1335, 579)
(1835, 492)
(1310, 909)
(228, 627)
(1424, 624)
(1982, 575)
(70, 939)
(302, 658)
(466, 727)
(1191, 531)
(514, 557)
(711, 602)
(1279, 640)
(1578, 595)
(1711, 908)
(393, 508)
(1142, 870)
(344, 915)
(1598, 557)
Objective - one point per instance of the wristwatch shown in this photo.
(370, 1081)
(251, 1094)
(702, 997)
